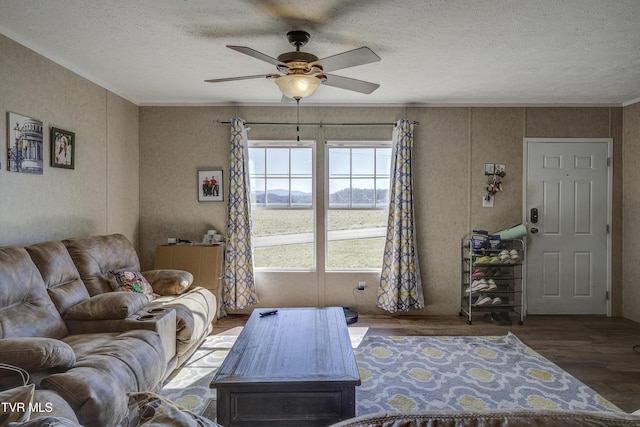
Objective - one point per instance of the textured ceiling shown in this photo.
(434, 52)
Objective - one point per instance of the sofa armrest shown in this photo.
(36, 353)
(110, 305)
(157, 319)
(169, 282)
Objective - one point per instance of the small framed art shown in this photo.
(63, 148)
(24, 144)
(210, 185)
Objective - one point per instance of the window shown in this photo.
(283, 204)
(357, 204)
(281, 178)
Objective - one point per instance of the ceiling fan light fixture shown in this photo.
(296, 86)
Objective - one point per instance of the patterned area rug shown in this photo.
(189, 385)
(420, 373)
(473, 373)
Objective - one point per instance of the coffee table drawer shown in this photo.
(286, 408)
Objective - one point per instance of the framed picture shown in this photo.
(63, 148)
(210, 185)
(24, 144)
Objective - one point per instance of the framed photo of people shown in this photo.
(210, 185)
(63, 148)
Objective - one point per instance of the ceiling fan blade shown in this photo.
(230, 79)
(255, 54)
(362, 55)
(350, 84)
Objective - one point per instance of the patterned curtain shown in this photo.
(400, 285)
(239, 282)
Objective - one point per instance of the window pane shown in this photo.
(339, 162)
(256, 161)
(362, 193)
(282, 214)
(358, 206)
(339, 193)
(283, 238)
(356, 238)
(301, 162)
(301, 192)
(362, 162)
(258, 190)
(383, 161)
(278, 192)
(278, 161)
(382, 192)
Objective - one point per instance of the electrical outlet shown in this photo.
(361, 286)
(487, 203)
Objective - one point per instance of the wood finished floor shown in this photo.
(596, 350)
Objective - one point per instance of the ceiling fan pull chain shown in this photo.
(298, 117)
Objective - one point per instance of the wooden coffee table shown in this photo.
(293, 368)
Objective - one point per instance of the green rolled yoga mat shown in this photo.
(515, 232)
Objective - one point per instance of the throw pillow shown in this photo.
(108, 306)
(36, 354)
(17, 402)
(131, 281)
(169, 282)
(150, 409)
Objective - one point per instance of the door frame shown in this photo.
(609, 142)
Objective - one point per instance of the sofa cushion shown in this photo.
(95, 256)
(108, 366)
(195, 310)
(169, 282)
(130, 281)
(26, 310)
(59, 273)
(35, 354)
(114, 305)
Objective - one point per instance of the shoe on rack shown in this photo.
(496, 300)
(506, 319)
(482, 260)
(477, 285)
(491, 285)
(477, 273)
(497, 318)
(483, 300)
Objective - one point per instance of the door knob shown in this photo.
(533, 230)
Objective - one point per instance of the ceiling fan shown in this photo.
(301, 73)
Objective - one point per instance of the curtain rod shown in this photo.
(223, 122)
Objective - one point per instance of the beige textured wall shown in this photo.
(451, 147)
(101, 194)
(631, 227)
(136, 174)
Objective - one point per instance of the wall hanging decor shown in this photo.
(63, 148)
(24, 144)
(210, 185)
(494, 172)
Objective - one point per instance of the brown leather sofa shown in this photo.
(493, 418)
(84, 345)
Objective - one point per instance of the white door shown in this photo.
(567, 258)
